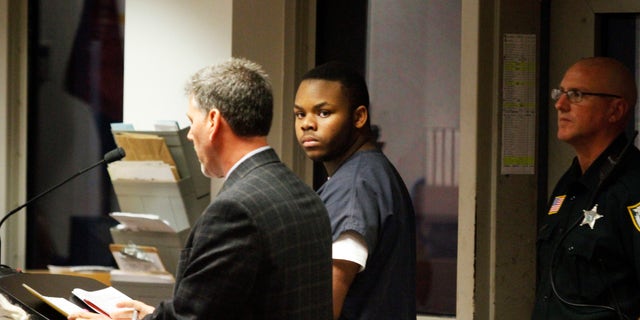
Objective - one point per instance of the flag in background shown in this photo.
(95, 75)
(95, 71)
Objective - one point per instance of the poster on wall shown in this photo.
(518, 104)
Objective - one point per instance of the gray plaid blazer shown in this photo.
(261, 250)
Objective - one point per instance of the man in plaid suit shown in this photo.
(262, 249)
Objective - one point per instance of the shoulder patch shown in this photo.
(634, 211)
(557, 203)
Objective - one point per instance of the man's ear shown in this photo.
(619, 110)
(213, 123)
(360, 116)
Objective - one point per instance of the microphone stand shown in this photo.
(109, 157)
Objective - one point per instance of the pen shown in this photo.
(134, 316)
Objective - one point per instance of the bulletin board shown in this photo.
(519, 90)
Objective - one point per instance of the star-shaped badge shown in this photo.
(590, 217)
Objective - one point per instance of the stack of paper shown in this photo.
(142, 222)
(156, 171)
(118, 276)
(140, 265)
(136, 258)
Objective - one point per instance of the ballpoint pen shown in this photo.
(134, 316)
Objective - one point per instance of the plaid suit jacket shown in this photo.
(261, 250)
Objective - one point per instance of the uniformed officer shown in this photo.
(589, 239)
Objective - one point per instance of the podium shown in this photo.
(57, 285)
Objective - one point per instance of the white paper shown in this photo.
(519, 104)
(102, 301)
(149, 262)
(141, 170)
(142, 222)
(62, 305)
(142, 277)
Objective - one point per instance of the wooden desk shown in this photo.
(102, 276)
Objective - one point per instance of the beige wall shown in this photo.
(279, 35)
(166, 42)
(497, 216)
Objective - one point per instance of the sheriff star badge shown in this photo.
(590, 217)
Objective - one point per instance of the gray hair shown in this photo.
(240, 89)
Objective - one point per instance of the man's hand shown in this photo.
(87, 315)
(125, 312)
(142, 309)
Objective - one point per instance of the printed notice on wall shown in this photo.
(519, 104)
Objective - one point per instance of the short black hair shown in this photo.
(353, 83)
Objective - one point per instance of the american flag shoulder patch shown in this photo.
(557, 203)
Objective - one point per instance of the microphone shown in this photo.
(111, 156)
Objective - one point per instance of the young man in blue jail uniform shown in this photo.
(372, 218)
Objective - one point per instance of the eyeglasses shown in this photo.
(575, 96)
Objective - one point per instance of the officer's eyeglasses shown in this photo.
(575, 96)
